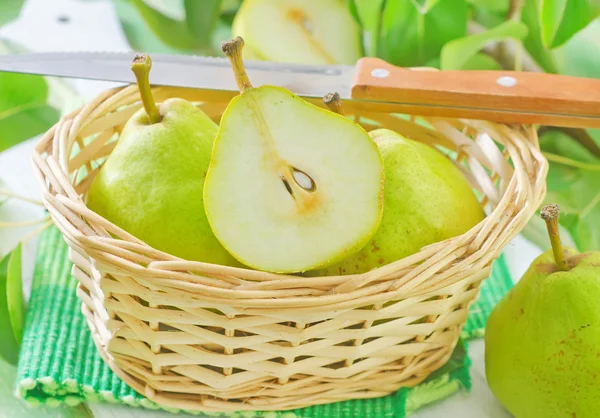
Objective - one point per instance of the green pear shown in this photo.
(291, 186)
(152, 183)
(542, 340)
(299, 31)
(426, 200)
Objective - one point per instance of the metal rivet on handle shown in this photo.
(507, 81)
(380, 73)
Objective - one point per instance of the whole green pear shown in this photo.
(152, 183)
(542, 340)
(426, 200)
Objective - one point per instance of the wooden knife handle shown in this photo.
(501, 96)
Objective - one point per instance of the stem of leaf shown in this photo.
(518, 54)
(504, 52)
(588, 208)
(32, 234)
(580, 135)
(24, 223)
(21, 108)
(421, 35)
(12, 195)
(570, 162)
(514, 10)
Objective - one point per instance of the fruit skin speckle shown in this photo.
(375, 247)
(541, 341)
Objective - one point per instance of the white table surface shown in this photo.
(93, 26)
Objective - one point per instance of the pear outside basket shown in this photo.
(283, 341)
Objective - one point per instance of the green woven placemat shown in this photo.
(59, 362)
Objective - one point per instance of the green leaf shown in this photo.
(201, 18)
(172, 32)
(582, 206)
(410, 38)
(580, 56)
(482, 62)
(488, 18)
(148, 30)
(595, 134)
(572, 182)
(14, 293)
(578, 14)
(560, 20)
(169, 8)
(499, 6)
(11, 309)
(367, 14)
(9, 10)
(533, 43)
(354, 11)
(139, 36)
(424, 6)
(456, 53)
(550, 15)
(30, 104)
(24, 112)
(230, 6)
(222, 31)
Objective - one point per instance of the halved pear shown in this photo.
(291, 186)
(299, 31)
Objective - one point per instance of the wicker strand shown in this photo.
(208, 337)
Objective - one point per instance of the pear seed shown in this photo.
(287, 186)
(304, 180)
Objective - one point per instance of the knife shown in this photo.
(372, 85)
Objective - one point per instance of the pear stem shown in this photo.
(334, 103)
(233, 50)
(141, 68)
(550, 215)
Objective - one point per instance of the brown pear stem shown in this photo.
(550, 215)
(141, 68)
(233, 50)
(334, 103)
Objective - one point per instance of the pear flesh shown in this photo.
(427, 200)
(298, 31)
(291, 186)
(152, 183)
(542, 340)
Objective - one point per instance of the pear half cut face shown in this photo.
(306, 31)
(291, 187)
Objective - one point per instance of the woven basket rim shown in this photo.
(169, 262)
(438, 283)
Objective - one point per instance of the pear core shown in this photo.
(291, 186)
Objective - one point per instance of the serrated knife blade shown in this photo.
(372, 85)
(191, 71)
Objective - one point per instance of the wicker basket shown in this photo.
(284, 341)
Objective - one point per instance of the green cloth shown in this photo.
(59, 363)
